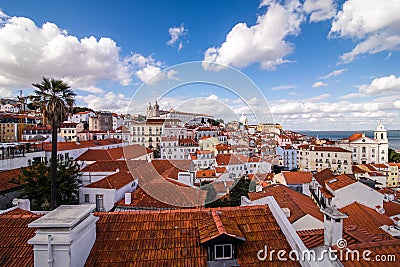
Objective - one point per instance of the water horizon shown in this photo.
(393, 135)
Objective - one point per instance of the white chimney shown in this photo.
(286, 211)
(333, 225)
(64, 236)
(128, 198)
(23, 204)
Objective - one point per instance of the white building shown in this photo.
(81, 116)
(317, 158)
(107, 191)
(366, 150)
(288, 156)
(169, 148)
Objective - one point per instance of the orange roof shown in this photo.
(171, 168)
(324, 175)
(227, 159)
(141, 200)
(172, 237)
(14, 236)
(113, 181)
(7, 176)
(354, 137)
(391, 208)
(382, 248)
(352, 234)
(357, 169)
(223, 147)
(206, 174)
(220, 169)
(339, 182)
(211, 228)
(297, 177)
(298, 204)
(329, 149)
(126, 152)
(366, 218)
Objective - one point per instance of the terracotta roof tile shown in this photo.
(14, 236)
(297, 177)
(206, 174)
(113, 181)
(381, 248)
(126, 152)
(352, 234)
(298, 204)
(391, 208)
(354, 137)
(365, 218)
(172, 238)
(218, 226)
(323, 175)
(227, 159)
(339, 182)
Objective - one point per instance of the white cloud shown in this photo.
(375, 23)
(319, 114)
(176, 33)
(264, 43)
(319, 98)
(351, 96)
(91, 89)
(333, 73)
(109, 101)
(283, 87)
(382, 85)
(319, 84)
(30, 52)
(320, 10)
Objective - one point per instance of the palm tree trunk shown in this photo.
(53, 167)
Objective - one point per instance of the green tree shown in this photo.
(36, 186)
(393, 156)
(56, 100)
(241, 188)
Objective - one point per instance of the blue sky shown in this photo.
(321, 64)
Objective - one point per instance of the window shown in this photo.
(223, 252)
(99, 203)
(86, 198)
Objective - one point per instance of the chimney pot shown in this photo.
(128, 198)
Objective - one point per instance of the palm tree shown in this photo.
(55, 99)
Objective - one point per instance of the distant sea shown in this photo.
(393, 136)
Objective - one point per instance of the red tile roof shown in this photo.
(365, 218)
(227, 159)
(141, 200)
(211, 228)
(298, 204)
(297, 177)
(381, 249)
(339, 182)
(206, 174)
(171, 168)
(113, 181)
(172, 238)
(126, 152)
(354, 137)
(323, 176)
(14, 236)
(352, 234)
(391, 208)
(7, 176)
